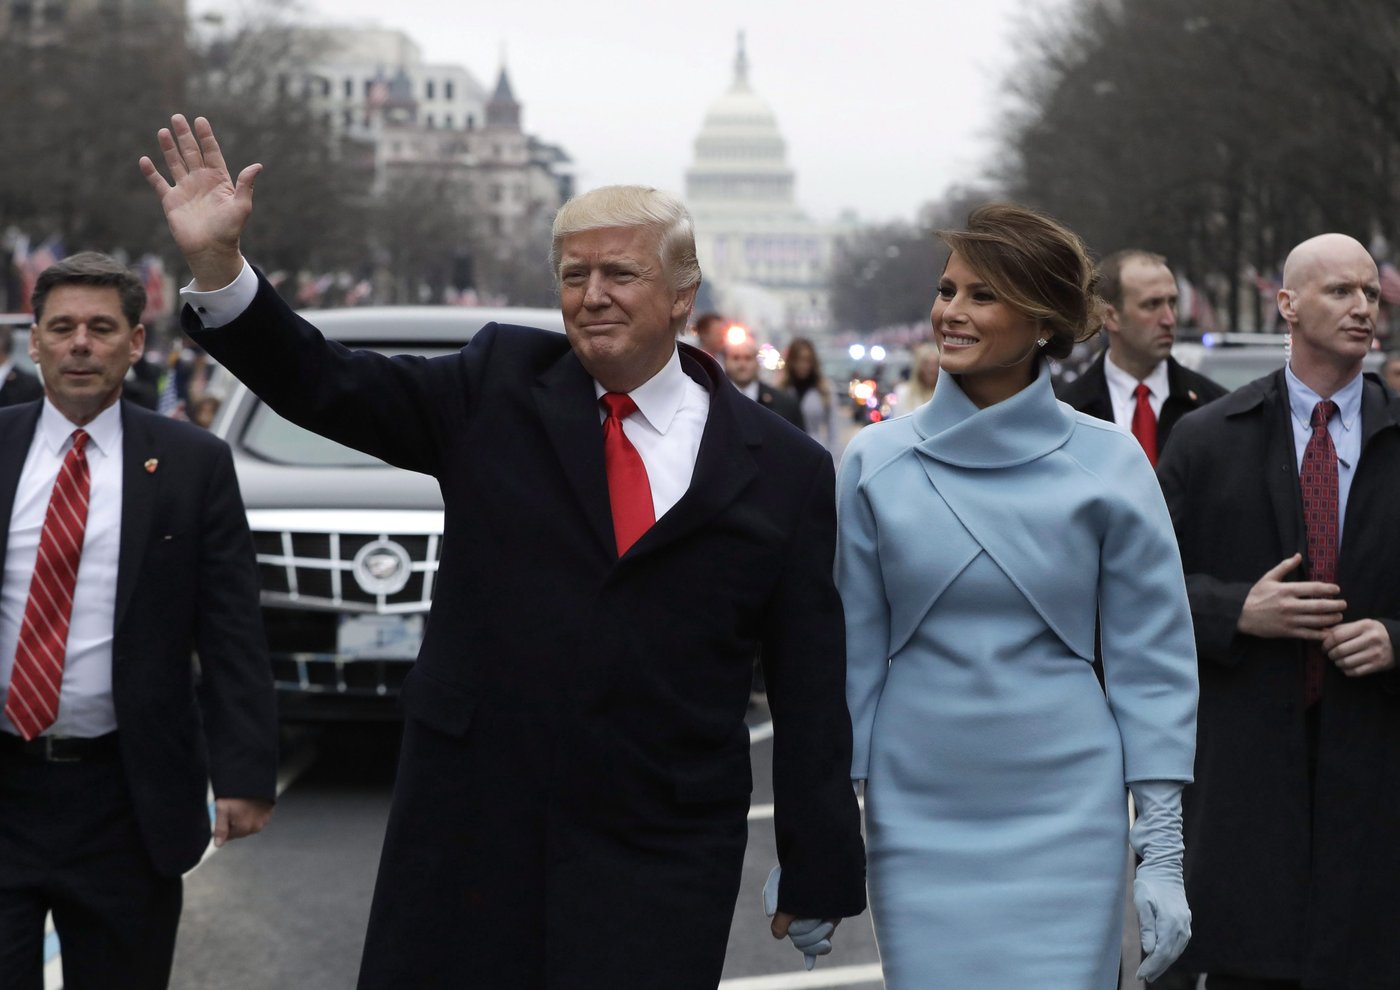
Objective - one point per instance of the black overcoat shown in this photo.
(570, 809)
(1274, 893)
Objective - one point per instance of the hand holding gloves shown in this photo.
(810, 936)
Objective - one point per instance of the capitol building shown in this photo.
(764, 261)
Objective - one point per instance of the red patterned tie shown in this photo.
(1321, 511)
(1145, 423)
(629, 490)
(32, 704)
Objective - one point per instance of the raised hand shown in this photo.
(205, 208)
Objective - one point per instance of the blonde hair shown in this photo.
(634, 206)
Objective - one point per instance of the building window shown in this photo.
(349, 87)
(428, 89)
(447, 89)
(447, 122)
(429, 121)
(349, 119)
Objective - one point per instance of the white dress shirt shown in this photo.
(666, 429)
(1121, 386)
(1344, 427)
(85, 699)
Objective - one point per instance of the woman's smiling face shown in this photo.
(989, 345)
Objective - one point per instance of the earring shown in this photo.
(1041, 342)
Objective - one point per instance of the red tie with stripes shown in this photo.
(629, 488)
(32, 704)
(1321, 519)
(1145, 422)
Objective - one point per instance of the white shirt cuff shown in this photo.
(222, 306)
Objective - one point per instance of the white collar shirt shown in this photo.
(85, 705)
(1122, 385)
(666, 429)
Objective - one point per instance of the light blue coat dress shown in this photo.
(975, 549)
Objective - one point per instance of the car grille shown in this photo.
(317, 571)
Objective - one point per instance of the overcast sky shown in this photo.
(883, 103)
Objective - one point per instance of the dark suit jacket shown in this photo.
(1277, 889)
(186, 583)
(20, 386)
(781, 403)
(570, 805)
(1186, 391)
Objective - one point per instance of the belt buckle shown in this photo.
(51, 757)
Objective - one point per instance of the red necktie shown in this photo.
(32, 704)
(1145, 423)
(1321, 511)
(628, 487)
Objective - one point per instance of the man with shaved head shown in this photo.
(1282, 494)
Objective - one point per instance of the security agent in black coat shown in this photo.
(1140, 296)
(1291, 824)
(98, 825)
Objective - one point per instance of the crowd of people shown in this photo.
(1002, 614)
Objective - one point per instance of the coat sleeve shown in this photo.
(236, 694)
(1149, 652)
(1215, 604)
(388, 407)
(862, 586)
(816, 818)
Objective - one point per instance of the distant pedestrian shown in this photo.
(1283, 497)
(741, 365)
(802, 377)
(16, 384)
(1390, 372)
(709, 334)
(923, 378)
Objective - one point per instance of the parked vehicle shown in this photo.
(347, 546)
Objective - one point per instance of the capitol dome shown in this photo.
(740, 156)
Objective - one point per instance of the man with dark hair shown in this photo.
(709, 334)
(126, 551)
(1283, 498)
(625, 533)
(16, 384)
(1136, 383)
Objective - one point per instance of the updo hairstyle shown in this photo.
(1036, 265)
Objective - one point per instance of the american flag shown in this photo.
(1390, 284)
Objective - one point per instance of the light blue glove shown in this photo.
(1159, 893)
(810, 936)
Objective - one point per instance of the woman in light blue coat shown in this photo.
(979, 540)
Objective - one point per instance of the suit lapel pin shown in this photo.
(1191, 394)
(151, 465)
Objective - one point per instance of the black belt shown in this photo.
(61, 749)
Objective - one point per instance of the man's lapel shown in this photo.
(569, 409)
(1282, 468)
(143, 472)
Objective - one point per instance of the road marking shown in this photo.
(836, 976)
(760, 732)
(53, 958)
